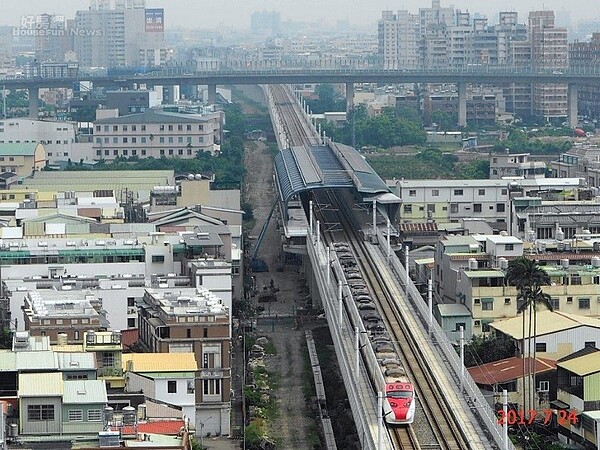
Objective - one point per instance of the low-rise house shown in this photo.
(167, 378)
(50, 405)
(579, 393)
(492, 378)
(558, 333)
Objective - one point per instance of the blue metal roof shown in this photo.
(325, 166)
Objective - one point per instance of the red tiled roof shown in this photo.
(172, 229)
(170, 427)
(508, 369)
(129, 337)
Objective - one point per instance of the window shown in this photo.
(500, 207)
(412, 193)
(201, 127)
(205, 332)
(40, 412)
(408, 209)
(143, 139)
(569, 299)
(576, 280)
(189, 151)
(133, 127)
(170, 139)
(162, 128)
(188, 128)
(590, 344)
(134, 140)
(143, 127)
(481, 192)
(477, 301)
(454, 208)
(584, 303)
(76, 335)
(179, 127)
(201, 139)
(124, 127)
(116, 152)
(115, 140)
(143, 152)
(459, 325)
(180, 151)
(94, 415)
(507, 301)
(504, 191)
(162, 152)
(75, 415)
(435, 193)
(211, 387)
(158, 258)
(509, 247)
(540, 347)
(477, 207)
(487, 306)
(115, 128)
(555, 303)
(485, 327)
(170, 151)
(162, 140)
(131, 322)
(170, 127)
(130, 301)
(125, 152)
(108, 359)
(188, 333)
(458, 192)
(172, 387)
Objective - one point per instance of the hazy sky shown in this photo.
(210, 13)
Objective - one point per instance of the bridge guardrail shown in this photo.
(475, 399)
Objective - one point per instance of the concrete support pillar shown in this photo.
(168, 94)
(462, 104)
(572, 105)
(34, 104)
(212, 94)
(349, 97)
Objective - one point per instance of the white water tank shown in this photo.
(473, 264)
(564, 263)
(596, 261)
(503, 263)
(560, 234)
(129, 415)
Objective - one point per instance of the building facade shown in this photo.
(157, 134)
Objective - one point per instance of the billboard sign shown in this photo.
(155, 20)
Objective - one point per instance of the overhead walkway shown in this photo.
(330, 166)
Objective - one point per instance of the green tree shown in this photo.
(528, 277)
(445, 121)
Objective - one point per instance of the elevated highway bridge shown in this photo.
(497, 75)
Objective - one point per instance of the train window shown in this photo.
(399, 394)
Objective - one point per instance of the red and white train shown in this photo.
(399, 401)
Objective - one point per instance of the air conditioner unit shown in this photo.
(478, 323)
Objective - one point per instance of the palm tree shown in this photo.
(528, 277)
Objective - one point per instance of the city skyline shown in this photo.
(180, 13)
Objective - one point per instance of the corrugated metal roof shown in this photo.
(76, 361)
(508, 369)
(36, 360)
(547, 322)
(484, 273)
(152, 116)
(8, 361)
(161, 362)
(412, 227)
(84, 391)
(453, 310)
(40, 384)
(23, 149)
(582, 366)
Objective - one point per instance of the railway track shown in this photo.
(297, 130)
(447, 434)
(440, 418)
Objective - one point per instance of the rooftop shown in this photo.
(203, 303)
(453, 310)
(40, 384)
(508, 369)
(69, 307)
(159, 362)
(25, 149)
(547, 322)
(84, 392)
(483, 273)
(582, 366)
(152, 116)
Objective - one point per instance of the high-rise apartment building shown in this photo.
(549, 50)
(126, 35)
(582, 54)
(398, 40)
